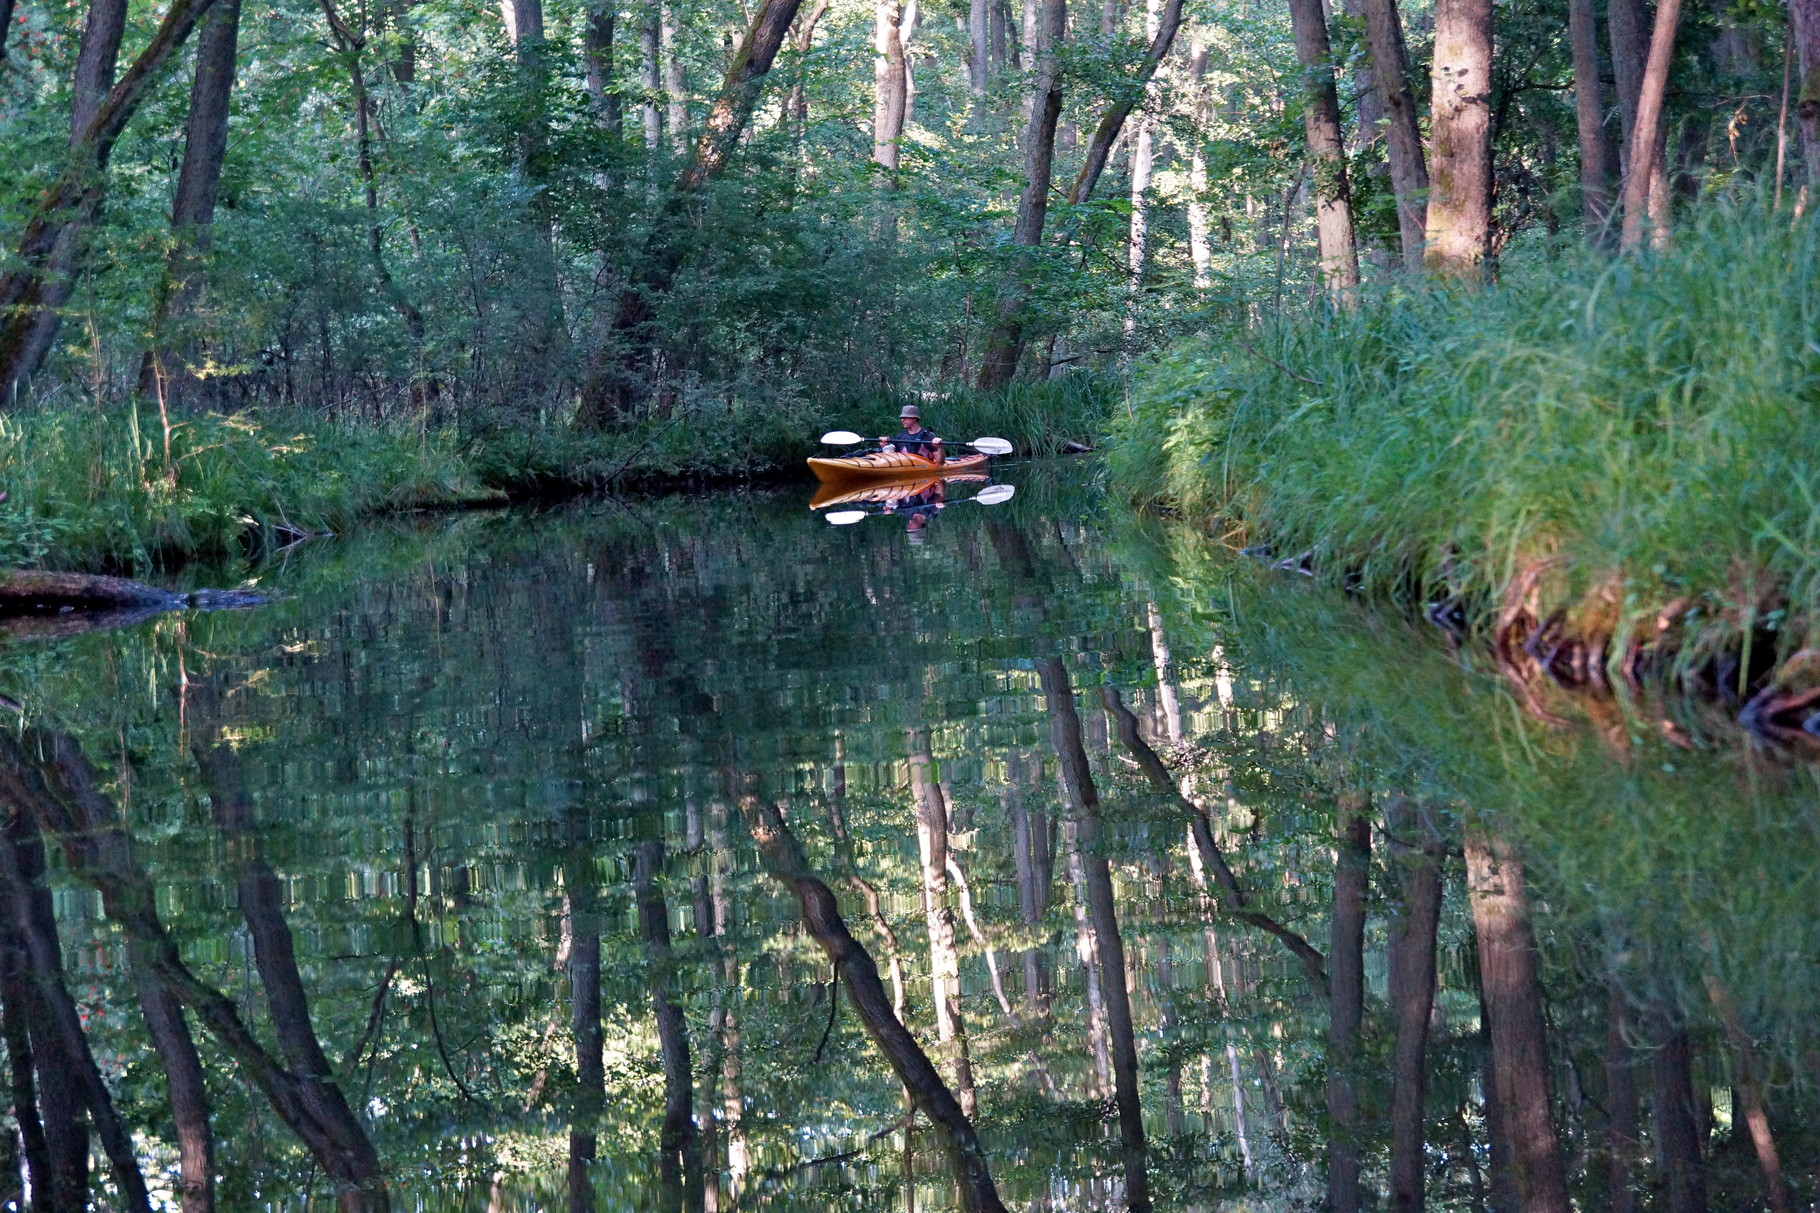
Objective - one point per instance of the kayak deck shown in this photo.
(891, 465)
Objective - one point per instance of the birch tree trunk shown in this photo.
(1589, 118)
(193, 211)
(1515, 1024)
(651, 79)
(1646, 178)
(1199, 251)
(1459, 188)
(1402, 130)
(1339, 253)
(944, 958)
(676, 82)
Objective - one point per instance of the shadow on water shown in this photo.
(699, 855)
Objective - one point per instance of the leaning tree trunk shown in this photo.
(193, 211)
(617, 385)
(1646, 179)
(1589, 118)
(1402, 124)
(1515, 1024)
(1109, 948)
(784, 859)
(1459, 186)
(1339, 251)
(1005, 344)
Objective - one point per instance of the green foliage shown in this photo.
(1646, 421)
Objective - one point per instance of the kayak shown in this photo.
(891, 465)
(849, 492)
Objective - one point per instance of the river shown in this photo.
(391, 849)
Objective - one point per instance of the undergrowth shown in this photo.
(1645, 430)
(97, 489)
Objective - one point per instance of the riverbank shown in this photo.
(1599, 463)
(117, 491)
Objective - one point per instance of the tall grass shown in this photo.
(100, 490)
(1651, 424)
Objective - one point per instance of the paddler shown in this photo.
(914, 439)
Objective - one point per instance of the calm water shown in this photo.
(388, 822)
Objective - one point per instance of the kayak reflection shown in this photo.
(916, 504)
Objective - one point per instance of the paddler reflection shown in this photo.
(917, 509)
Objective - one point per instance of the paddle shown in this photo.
(986, 446)
(992, 494)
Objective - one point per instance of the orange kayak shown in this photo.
(847, 492)
(895, 465)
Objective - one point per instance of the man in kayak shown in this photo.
(914, 439)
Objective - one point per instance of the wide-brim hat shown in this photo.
(910, 410)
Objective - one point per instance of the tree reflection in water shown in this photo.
(554, 830)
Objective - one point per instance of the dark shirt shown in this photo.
(920, 443)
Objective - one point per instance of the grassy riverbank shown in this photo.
(111, 490)
(1635, 443)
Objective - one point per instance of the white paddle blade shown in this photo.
(991, 446)
(841, 438)
(846, 517)
(992, 494)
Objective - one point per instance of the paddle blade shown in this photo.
(991, 446)
(992, 494)
(845, 517)
(841, 438)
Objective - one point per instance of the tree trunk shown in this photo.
(1804, 32)
(1035, 875)
(1672, 1107)
(69, 1082)
(679, 1167)
(1339, 251)
(193, 212)
(18, 996)
(613, 390)
(1747, 1083)
(1513, 1005)
(1084, 806)
(1646, 177)
(676, 83)
(597, 58)
(1005, 343)
(888, 95)
(261, 899)
(1459, 188)
(1198, 250)
(785, 860)
(650, 40)
(584, 1022)
(1589, 117)
(979, 69)
(1623, 1143)
(1346, 1003)
(183, 1081)
(1112, 121)
(1411, 963)
(1402, 125)
(944, 959)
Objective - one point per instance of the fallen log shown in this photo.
(33, 591)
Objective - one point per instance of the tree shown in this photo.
(1339, 252)
(1458, 237)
